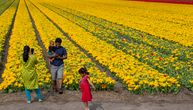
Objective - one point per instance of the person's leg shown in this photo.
(38, 93)
(86, 105)
(54, 86)
(28, 95)
(60, 78)
(53, 70)
(59, 83)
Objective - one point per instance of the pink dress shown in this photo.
(85, 89)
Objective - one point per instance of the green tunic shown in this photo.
(29, 75)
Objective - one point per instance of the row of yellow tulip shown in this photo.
(164, 60)
(2, 1)
(172, 22)
(76, 58)
(23, 34)
(5, 5)
(106, 28)
(137, 76)
(120, 29)
(6, 20)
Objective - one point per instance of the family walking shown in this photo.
(56, 55)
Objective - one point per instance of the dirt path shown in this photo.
(104, 100)
(95, 106)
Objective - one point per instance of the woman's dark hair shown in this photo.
(32, 50)
(83, 71)
(26, 50)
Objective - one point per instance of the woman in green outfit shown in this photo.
(29, 75)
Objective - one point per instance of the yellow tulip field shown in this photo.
(145, 46)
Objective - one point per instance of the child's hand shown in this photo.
(52, 59)
(91, 84)
(80, 81)
(94, 88)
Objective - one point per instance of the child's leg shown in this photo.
(38, 93)
(28, 94)
(86, 105)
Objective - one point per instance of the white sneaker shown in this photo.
(28, 102)
(40, 100)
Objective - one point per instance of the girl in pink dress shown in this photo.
(85, 87)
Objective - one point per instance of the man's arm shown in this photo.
(63, 57)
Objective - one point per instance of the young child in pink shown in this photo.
(85, 87)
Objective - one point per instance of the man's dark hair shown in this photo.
(58, 40)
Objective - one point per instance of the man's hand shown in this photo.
(62, 58)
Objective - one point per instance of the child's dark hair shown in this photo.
(32, 50)
(51, 49)
(83, 71)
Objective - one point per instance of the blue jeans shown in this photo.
(28, 94)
